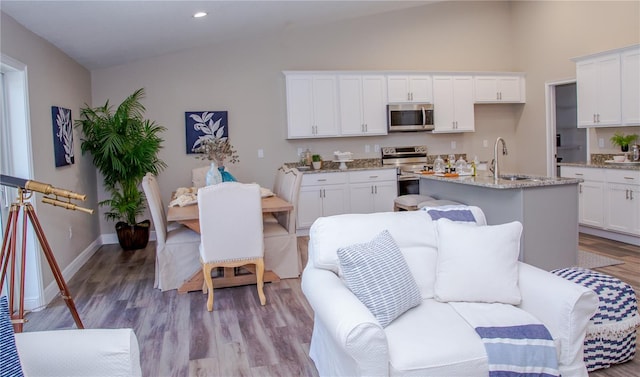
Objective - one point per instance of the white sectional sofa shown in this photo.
(431, 339)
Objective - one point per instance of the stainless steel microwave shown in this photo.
(410, 117)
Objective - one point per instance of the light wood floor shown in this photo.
(178, 337)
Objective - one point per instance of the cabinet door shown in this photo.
(335, 200)
(309, 205)
(486, 88)
(463, 103)
(398, 88)
(325, 106)
(609, 91)
(510, 89)
(421, 89)
(443, 103)
(374, 101)
(361, 196)
(384, 195)
(453, 104)
(631, 87)
(586, 89)
(621, 213)
(300, 106)
(351, 95)
(591, 203)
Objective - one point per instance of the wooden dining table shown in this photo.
(231, 277)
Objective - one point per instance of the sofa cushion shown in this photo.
(433, 340)
(379, 277)
(478, 263)
(413, 232)
(9, 359)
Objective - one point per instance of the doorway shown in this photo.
(565, 141)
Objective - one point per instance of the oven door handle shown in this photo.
(408, 178)
(424, 116)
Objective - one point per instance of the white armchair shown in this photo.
(70, 353)
(176, 247)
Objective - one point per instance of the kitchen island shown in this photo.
(546, 207)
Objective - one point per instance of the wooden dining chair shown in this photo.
(176, 246)
(281, 242)
(231, 227)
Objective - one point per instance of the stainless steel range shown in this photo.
(408, 161)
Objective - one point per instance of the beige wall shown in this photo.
(548, 35)
(245, 78)
(55, 80)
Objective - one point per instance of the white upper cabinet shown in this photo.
(453, 104)
(499, 89)
(405, 88)
(598, 90)
(363, 100)
(312, 109)
(631, 87)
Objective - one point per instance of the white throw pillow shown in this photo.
(378, 275)
(478, 263)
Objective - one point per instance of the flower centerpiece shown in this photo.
(218, 150)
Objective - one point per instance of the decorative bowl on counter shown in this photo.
(342, 156)
(619, 158)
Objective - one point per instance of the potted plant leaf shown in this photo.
(623, 141)
(316, 161)
(124, 147)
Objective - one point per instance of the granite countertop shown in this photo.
(485, 179)
(333, 167)
(603, 165)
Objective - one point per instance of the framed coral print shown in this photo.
(62, 136)
(202, 125)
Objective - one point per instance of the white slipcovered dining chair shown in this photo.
(280, 240)
(231, 227)
(199, 176)
(176, 246)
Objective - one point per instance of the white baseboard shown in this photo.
(52, 290)
(633, 240)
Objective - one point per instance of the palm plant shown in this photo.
(124, 147)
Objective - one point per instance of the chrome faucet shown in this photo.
(496, 169)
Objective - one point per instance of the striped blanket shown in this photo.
(517, 344)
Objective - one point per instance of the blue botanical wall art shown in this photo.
(62, 136)
(202, 125)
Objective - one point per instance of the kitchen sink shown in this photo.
(515, 177)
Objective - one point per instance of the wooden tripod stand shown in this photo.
(9, 259)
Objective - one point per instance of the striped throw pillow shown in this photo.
(378, 275)
(9, 359)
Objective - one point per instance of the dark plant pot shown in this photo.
(625, 148)
(133, 237)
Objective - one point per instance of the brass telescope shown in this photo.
(47, 189)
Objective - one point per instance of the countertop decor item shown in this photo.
(218, 151)
(124, 147)
(623, 140)
(316, 161)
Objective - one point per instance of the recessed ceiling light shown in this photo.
(199, 14)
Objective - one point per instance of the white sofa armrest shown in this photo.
(565, 308)
(90, 352)
(351, 325)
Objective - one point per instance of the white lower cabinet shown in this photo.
(372, 190)
(609, 199)
(362, 191)
(623, 201)
(322, 194)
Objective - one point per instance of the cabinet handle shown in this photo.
(626, 194)
(631, 178)
(497, 95)
(598, 117)
(594, 118)
(580, 174)
(580, 189)
(366, 127)
(376, 187)
(630, 194)
(373, 176)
